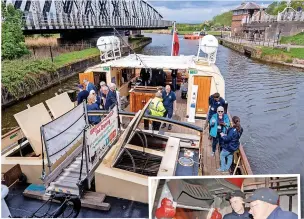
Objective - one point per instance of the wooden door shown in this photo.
(149, 96)
(204, 85)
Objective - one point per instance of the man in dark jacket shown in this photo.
(215, 101)
(82, 95)
(264, 204)
(110, 98)
(174, 79)
(236, 199)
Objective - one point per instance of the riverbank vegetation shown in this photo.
(12, 41)
(281, 54)
(22, 75)
(297, 39)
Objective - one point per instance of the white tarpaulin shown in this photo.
(132, 61)
(101, 136)
(62, 133)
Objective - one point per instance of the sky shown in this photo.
(195, 11)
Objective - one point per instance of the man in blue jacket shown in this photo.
(82, 95)
(264, 204)
(89, 86)
(169, 101)
(110, 98)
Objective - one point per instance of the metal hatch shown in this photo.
(130, 131)
(199, 192)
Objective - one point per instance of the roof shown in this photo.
(161, 62)
(248, 5)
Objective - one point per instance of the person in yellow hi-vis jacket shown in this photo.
(156, 108)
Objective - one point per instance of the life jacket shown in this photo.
(156, 107)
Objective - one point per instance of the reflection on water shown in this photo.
(267, 98)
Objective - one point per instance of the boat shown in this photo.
(195, 35)
(63, 154)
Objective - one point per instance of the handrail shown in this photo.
(152, 118)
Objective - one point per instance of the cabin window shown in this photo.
(126, 75)
(26, 150)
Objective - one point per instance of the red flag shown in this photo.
(175, 44)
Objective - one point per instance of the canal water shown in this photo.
(269, 99)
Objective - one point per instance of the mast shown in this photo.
(173, 38)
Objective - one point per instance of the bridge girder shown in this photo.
(79, 14)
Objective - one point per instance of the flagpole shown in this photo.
(173, 38)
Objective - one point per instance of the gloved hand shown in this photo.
(222, 123)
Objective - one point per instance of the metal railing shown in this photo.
(255, 41)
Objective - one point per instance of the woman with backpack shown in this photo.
(231, 143)
(219, 123)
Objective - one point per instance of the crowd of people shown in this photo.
(263, 203)
(222, 131)
(105, 98)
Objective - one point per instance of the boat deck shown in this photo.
(21, 206)
(211, 164)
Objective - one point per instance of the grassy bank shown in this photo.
(21, 74)
(282, 55)
(297, 39)
(70, 57)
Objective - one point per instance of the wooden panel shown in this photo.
(168, 163)
(60, 104)
(88, 76)
(204, 84)
(30, 121)
(11, 138)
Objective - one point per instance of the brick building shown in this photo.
(242, 14)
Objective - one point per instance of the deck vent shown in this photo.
(199, 192)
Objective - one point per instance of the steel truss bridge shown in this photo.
(50, 15)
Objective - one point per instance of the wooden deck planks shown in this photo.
(211, 164)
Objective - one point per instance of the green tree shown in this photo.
(276, 7)
(13, 45)
(223, 19)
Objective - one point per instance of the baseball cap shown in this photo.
(80, 86)
(235, 193)
(265, 195)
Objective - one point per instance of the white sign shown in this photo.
(101, 136)
(193, 100)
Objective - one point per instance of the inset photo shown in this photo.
(258, 197)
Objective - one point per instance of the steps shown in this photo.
(67, 181)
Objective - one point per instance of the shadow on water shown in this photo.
(267, 98)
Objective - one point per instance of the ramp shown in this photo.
(68, 179)
(74, 150)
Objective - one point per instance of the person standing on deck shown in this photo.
(89, 85)
(215, 101)
(219, 123)
(264, 205)
(110, 98)
(82, 95)
(169, 100)
(92, 105)
(174, 78)
(236, 199)
(156, 108)
(113, 88)
(231, 143)
(97, 98)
